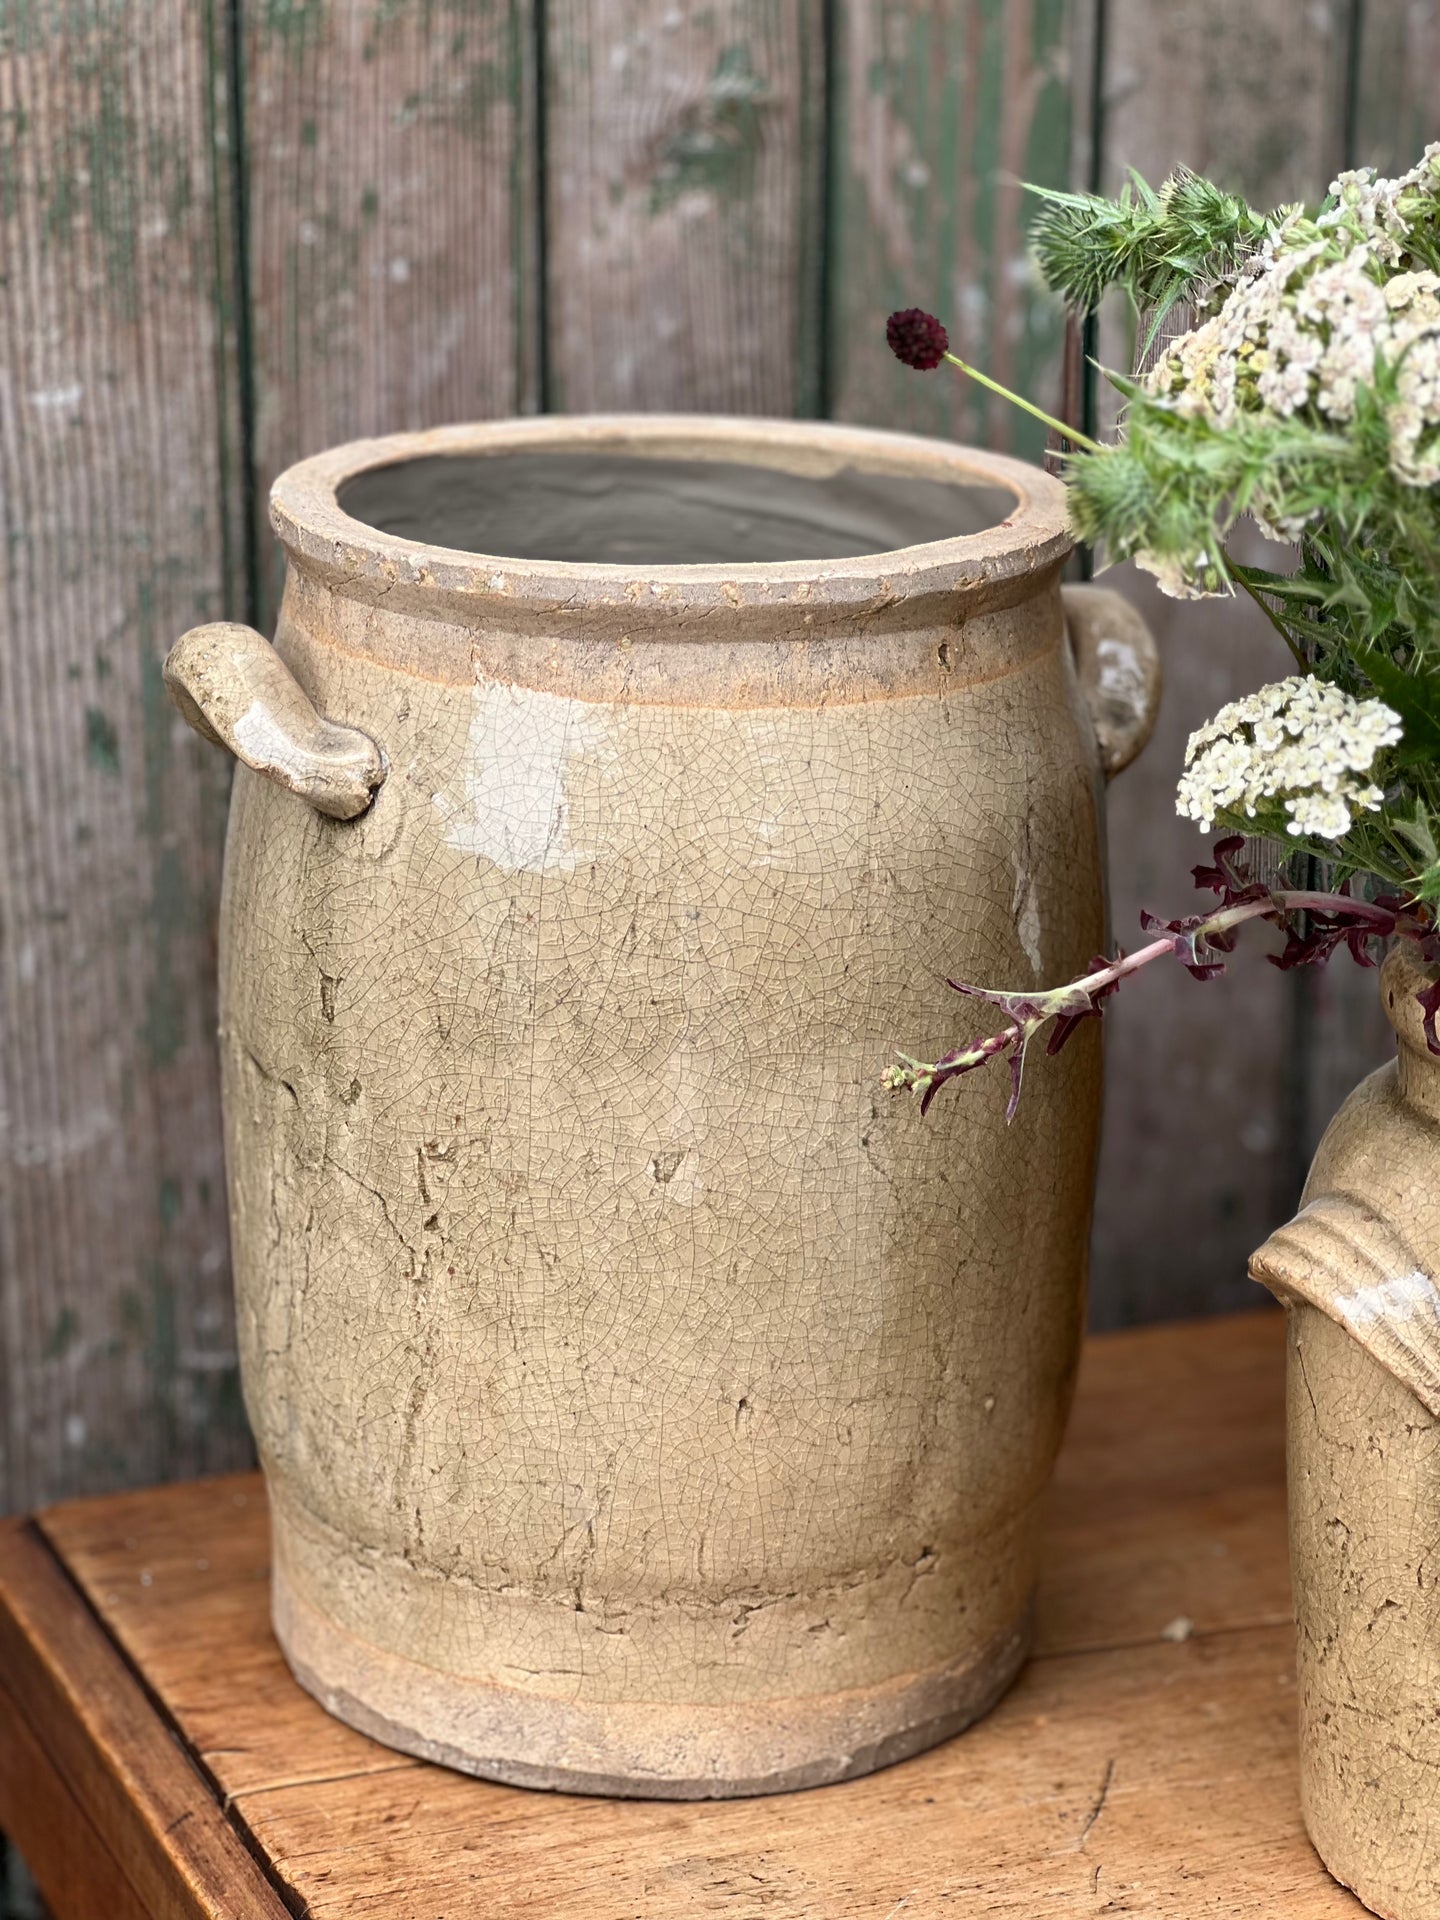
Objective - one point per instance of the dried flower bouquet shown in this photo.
(1306, 394)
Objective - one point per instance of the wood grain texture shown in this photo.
(684, 158)
(68, 1693)
(1204, 1084)
(116, 491)
(390, 173)
(1134, 1781)
(1127, 1772)
(70, 1855)
(1397, 96)
(941, 108)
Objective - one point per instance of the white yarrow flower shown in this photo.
(1300, 741)
(1314, 316)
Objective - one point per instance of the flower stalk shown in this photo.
(1317, 922)
(1072, 434)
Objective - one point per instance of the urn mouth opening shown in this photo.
(679, 512)
(629, 508)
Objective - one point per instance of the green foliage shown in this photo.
(1161, 247)
(1339, 451)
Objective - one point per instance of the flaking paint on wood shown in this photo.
(942, 108)
(386, 146)
(683, 198)
(1397, 91)
(116, 1339)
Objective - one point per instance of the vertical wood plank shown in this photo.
(1397, 89)
(943, 107)
(391, 249)
(1204, 1084)
(118, 501)
(684, 152)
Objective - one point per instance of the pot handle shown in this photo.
(1118, 665)
(233, 688)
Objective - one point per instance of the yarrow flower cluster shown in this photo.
(1322, 308)
(1301, 742)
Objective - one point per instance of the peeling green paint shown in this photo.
(148, 1322)
(295, 21)
(171, 909)
(717, 143)
(169, 1201)
(102, 173)
(62, 1335)
(164, 1028)
(102, 743)
(945, 111)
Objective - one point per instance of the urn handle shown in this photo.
(1118, 665)
(233, 688)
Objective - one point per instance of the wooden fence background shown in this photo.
(235, 231)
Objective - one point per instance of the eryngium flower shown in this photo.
(917, 338)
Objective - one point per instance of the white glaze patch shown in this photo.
(1025, 912)
(1406, 1296)
(261, 739)
(517, 810)
(1122, 672)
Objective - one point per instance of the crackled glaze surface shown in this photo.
(650, 1403)
(1357, 1269)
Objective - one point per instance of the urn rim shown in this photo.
(320, 536)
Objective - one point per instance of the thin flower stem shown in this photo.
(1270, 614)
(1221, 922)
(1072, 434)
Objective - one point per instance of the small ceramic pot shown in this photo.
(649, 1402)
(1357, 1268)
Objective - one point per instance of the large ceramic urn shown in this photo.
(1359, 1270)
(649, 1402)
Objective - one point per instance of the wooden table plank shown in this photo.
(181, 1578)
(1158, 1781)
(1168, 1496)
(69, 1693)
(1126, 1772)
(65, 1847)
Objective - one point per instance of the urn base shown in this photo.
(629, 1749)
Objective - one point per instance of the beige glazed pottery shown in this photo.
(1357, 1269)
(650, 1404)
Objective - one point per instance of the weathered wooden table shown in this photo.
(157, 1760)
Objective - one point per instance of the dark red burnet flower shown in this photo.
(917, 338)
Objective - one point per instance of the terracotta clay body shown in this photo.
(649, 1403)
(1357, 1269)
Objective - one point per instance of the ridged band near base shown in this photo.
(636, 1750)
